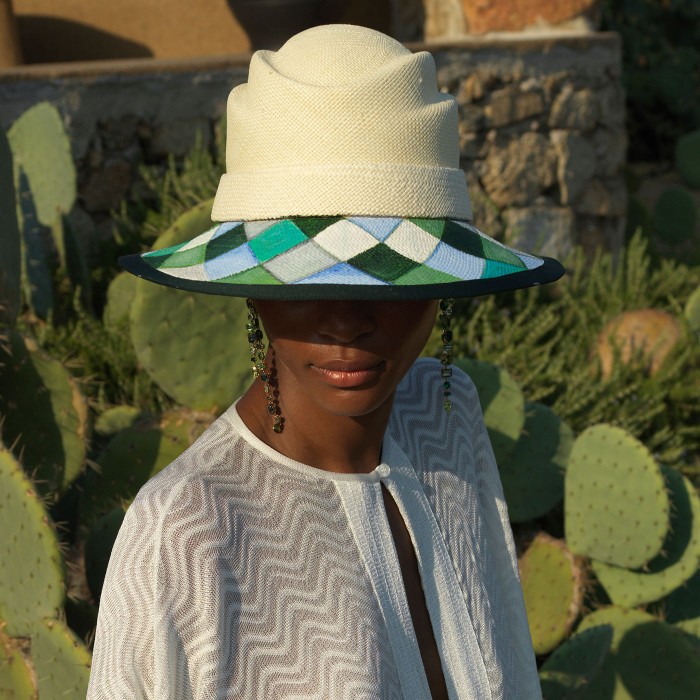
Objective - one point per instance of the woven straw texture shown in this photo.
(342, 120)
(239, 573)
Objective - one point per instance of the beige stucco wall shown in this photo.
(86, 29)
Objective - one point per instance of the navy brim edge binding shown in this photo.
(550, 271)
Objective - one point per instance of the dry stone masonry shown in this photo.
(543, 138)
(542, 129)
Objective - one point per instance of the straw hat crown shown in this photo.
(342, 120)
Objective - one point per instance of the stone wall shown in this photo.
(543, 138)
(542, 130)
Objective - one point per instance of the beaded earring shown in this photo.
(259, 369)
(446, 357)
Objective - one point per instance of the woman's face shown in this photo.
(345, 357)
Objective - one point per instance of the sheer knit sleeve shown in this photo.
(123, 656)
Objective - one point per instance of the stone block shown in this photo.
(511, 104)
(604, 198)
(594, 233)
(118, 134)
(106, 187)
(515, 175)
(611, 105)
(610, 150)
(515, 15)
(485, 214)
(177, 137)
(471, 117)
(574, 109)
(576, 163)
(471, 145)
(471, 90)
(541, 230)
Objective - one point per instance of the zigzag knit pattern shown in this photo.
(239, 573)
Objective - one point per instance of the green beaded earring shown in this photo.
(446, 357)
(259, 368)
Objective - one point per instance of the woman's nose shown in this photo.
(344, 321)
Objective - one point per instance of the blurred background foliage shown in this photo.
(661, 64)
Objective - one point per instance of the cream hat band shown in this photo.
(342, 181)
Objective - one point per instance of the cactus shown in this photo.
(680, 556)
(132, 457)
(502, 403)
(553, 587)
(76, 264)
(36, 275)
(533, 475)
(616, 505)
(120, 297)
(648, 659)
(573, 665)
(647, 334)
(10, 255)
(683, 606)
(46, 418)
(42, 150)
(117, 418)
(61, 661)
(210, 369)
(688, 158)
(675, 216)
(98, 548)
(17, 678)
(692, 312)
(31, 566)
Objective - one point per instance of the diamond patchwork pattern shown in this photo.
(339, 250)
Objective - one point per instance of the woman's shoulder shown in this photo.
(423, 388)
(207, 454)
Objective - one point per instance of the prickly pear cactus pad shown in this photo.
(552, 583)
(17, 678)
(120, 296)
(675, 215)
(616, 508)
(41, 148)
(692, 311)
(31, 566)
(194, 346)
(115, 419)
(62, 662)
(679, 560)
(643, 335)
(502, 403)
(10, 259)
(98, 548)
(533, 474)
(649, 659)
(132, 457)
(36, 272)
(683, 606)
(687, 158)
(46, 417)
(575, 663)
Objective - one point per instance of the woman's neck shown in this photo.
(335, 443)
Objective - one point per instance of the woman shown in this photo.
(340, 531)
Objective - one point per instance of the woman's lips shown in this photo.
(344, 375)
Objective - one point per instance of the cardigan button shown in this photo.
(383, 471)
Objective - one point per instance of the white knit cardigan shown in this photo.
(240, 573)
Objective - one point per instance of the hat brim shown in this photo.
(360, 258)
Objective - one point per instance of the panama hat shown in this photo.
(342, 182)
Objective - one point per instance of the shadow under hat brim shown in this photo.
(549, 271)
